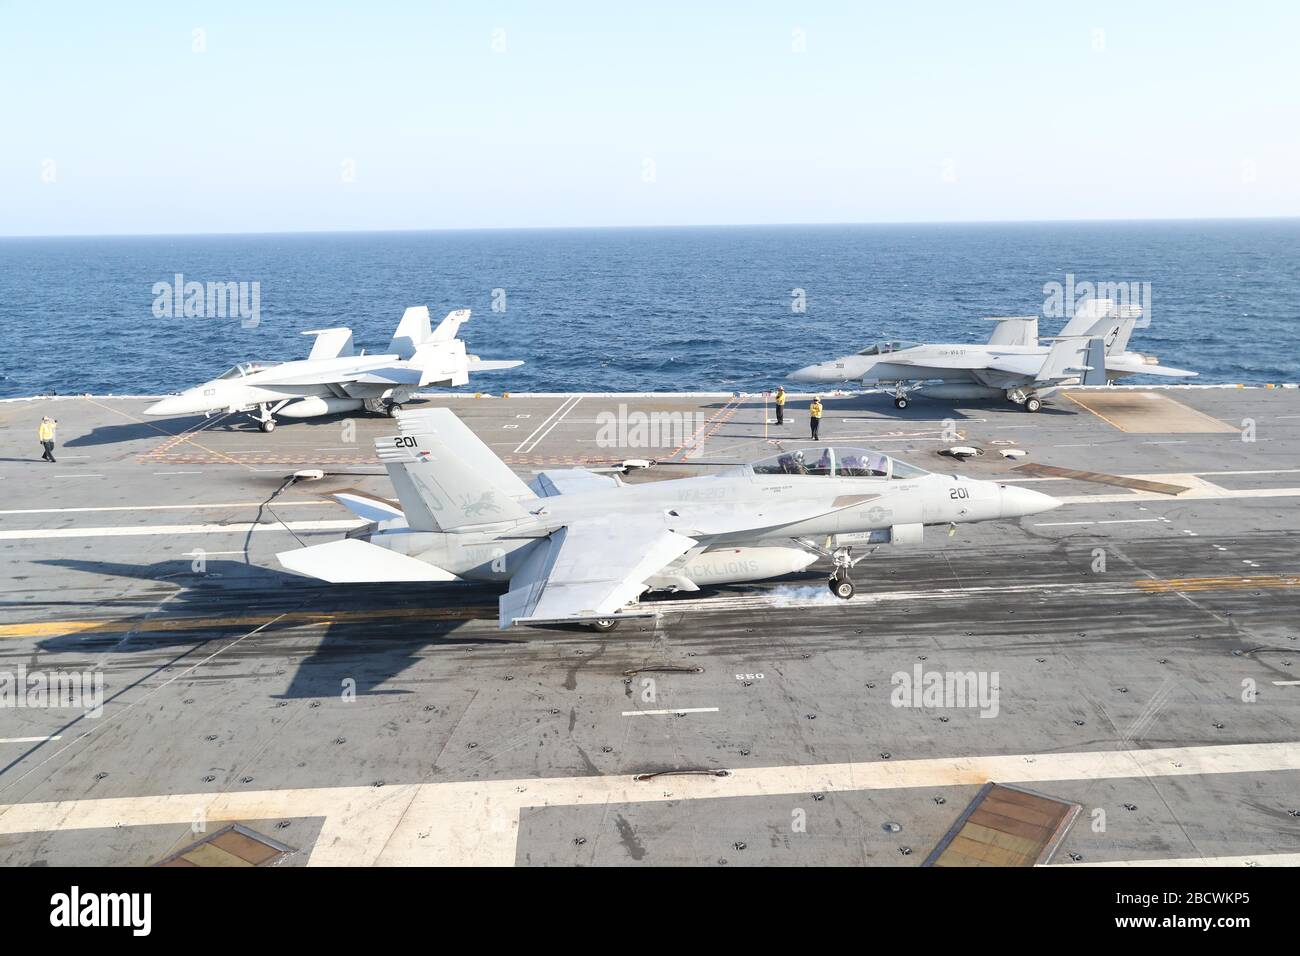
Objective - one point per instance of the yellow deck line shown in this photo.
(294, 619)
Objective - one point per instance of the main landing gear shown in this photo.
(1031, 403)
(605, 624)
(900, 396)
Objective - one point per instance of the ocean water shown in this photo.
(640, 309)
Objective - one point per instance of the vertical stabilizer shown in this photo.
(446, 478)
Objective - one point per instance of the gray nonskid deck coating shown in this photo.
(226, 682)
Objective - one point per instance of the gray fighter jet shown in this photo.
(577, 546)
(334, 379)
(1091, 350)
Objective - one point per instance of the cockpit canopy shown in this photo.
(839, 461)
(884, 348)
(246, 368)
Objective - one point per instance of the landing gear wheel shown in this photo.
(268, 425)
(605, 625)
(842, 588)
(1033, 404)
(392, 409)
(900, 403)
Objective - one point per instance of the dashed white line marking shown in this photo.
(565, 407)
(1286, 683)
(78, 476)
(178, 472)
(664, 713)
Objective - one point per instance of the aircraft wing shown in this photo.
(1026, 365)
(589, 570)
(570, 481)
(392, 375)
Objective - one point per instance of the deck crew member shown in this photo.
(815, 415)
(46, 435)
(780, 404)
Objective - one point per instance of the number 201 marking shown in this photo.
(407, 441)
(959, 493)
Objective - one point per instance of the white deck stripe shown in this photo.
(171, 529)
(476, 822)
(663, 713)
(190, 507)
(1260, 859)
(28, 740)
(1062, 524)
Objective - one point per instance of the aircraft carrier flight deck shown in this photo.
(1137, 652)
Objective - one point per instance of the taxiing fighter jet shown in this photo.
(1091, 350)
(577, 546)
(334, 379)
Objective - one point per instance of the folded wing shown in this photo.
(587, 571)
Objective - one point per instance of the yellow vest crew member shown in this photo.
(46, 435)
(780, 404)
(815, 415)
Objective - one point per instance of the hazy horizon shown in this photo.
(189, 119)
(649, 226)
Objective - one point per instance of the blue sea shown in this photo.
(637, 309)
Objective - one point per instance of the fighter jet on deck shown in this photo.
(1091, 350)
(577, 546)
(334, 379)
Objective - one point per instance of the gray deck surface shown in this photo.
(224, 679)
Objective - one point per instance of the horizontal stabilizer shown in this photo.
(353, 561)
(368, 507)
(476, 364)
(1135, 366)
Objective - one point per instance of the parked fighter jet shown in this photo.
(1091, 350)
(579, 546)
(334, 379)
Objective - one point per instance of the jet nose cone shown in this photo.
(172, 405)
(810, 373)
(1020, 502)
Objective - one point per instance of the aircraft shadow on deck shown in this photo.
(370, 650)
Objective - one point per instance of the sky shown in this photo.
(187, 117)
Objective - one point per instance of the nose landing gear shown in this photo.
(841, 585)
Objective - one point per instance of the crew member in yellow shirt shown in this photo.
(780, 404)
(815, 415)
(46, 435)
